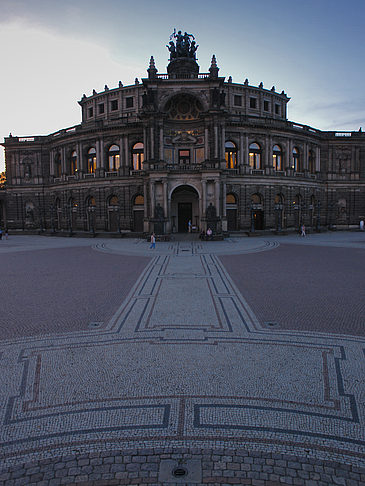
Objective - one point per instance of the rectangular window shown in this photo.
(101, 108)
(114, 105)
(277, 109)
(253, 103)
(90, 112)
(184, 156)
(129, 102)
(266, 105)
(237, 100)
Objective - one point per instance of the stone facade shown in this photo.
(184, 146)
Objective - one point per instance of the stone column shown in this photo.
(217, 198)
(63, 160)
(146, 228)
(287, 154)
(318, 159)
(305, 158)
(206, 146)
(223, 149)
(164, 194)
(241, 151)
(145, 144)
(215, 141)
(123, 162)
(246, 161)
(152, 195)
(80, 161)
(166, 206)
(126, 153)
(204, 199)
(161, 144)
(152, 145)
(268, 154)
(224, 201)
(51, 163)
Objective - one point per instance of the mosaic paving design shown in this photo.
(184, 362)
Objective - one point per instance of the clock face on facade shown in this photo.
(183, 107)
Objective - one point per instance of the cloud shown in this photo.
(46, 74)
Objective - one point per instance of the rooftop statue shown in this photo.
(182, 45)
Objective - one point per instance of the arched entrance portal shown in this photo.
(184, 207)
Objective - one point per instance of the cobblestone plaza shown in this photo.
(240, 361)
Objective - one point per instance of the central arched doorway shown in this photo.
(184, 208)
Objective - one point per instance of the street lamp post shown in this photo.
(318, 221)
(53, 219)
(253, 208)
(278, 208)
(118, 216)
(91, 211)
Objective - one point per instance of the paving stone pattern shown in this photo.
(184, 369)
(217, 467)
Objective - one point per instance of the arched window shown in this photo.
(311, 162)
(72, 204)
(57, 165)
(231, 155)
(231, 199)
(113, 158)
(73, 163)
(277, 158)
(91, 161)
(296, 165)
(138, 155)
(113, 201)
(254, 156)
(256, 199)
(90, 202)
(139, 200)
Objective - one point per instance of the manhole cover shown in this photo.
(179, 472)
(187, 471)
(271, 324)
(93, 325)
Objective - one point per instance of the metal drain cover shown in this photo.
(181, 471)
(271, 324)
(93, 325)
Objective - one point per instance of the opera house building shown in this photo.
(183, 146)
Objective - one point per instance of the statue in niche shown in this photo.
(159, 225)
(159, 212)
(222, 98)
(211, 212)
(29, 213)
(148, 99)
(215, 97)
(211, 217)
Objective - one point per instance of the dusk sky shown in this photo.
(52, 52)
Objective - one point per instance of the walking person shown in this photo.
(362, 225)
(6, 234)
(1, 234)
(189, 226)
(303, 230)
(153, 241)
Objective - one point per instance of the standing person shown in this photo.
(303, 230)
(189, 226)
(6, 234)
(209, 233)
(362, 225)
(1, 233)
(153, 241)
